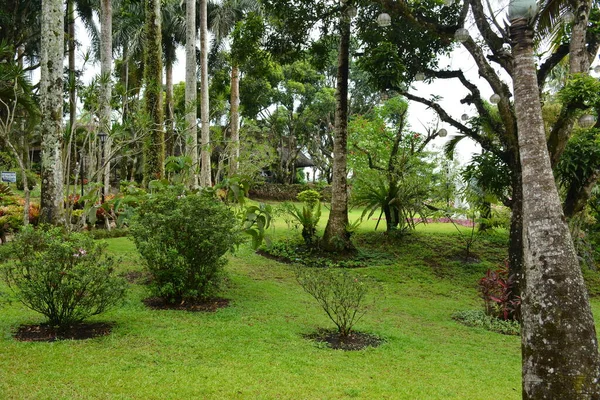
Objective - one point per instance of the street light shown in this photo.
(351, 12)
(384, 19)
(586, 121)
(495, 98)
(461, 35)
(464, 117)
(102, 136)
(442, 132)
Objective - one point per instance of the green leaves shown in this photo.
(256, 220)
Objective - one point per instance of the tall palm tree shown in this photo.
(106, 86)
(224, 18)
(154, 148)
(173, 35)
(559, 344)
(51, 90)
(191, 135)
(205, 167)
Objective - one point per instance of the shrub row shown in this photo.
(280, 192)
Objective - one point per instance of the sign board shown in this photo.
(9, 177)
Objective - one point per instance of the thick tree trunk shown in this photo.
(336, 237)
(51, 99)
(191, 133)
(234, 154)
(154, 145)
(559, 345)
(106, 95)
(205, 171)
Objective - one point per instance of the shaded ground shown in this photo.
(46, 333)
(212, 305)
(354, 341)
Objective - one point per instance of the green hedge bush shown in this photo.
(66, 277)
(183, 239)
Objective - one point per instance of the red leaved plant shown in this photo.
(496, 290)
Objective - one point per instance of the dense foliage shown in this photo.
(65, 277)
(182, 239)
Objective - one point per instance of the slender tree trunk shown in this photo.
(205, 171)
(51, 99)
(170, 120)
(105, 72)
(154, 145)
(515, 247)
(336, 236)
(235, 121)
(559, 345)
(191, 134)
(72, 86)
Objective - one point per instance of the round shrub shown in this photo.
(66, 277)
(182, 239)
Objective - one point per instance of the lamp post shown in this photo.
(102, 136)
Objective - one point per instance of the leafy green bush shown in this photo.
(182, 239)
(479, 319)
(342, 296)
(66, 277)
(31, 180)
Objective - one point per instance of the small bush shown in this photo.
(66, 277)
(182, 239)
(479, 319)
(342, 296)
(495, 288)
(31, 180)
(309, 216)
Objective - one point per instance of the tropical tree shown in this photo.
(106, 53)
(556, 314)
(154, 147)
(51, 101)
(191, 132)
(205, 167)
(224, 19)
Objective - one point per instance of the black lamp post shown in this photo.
(102, 136)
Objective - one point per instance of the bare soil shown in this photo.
(47, 333)
(354, 341)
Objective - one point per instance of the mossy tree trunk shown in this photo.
(51, 101)
(559, 345)
(154, 144)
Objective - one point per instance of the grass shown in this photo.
(255, 348)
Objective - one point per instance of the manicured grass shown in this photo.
(255, 348)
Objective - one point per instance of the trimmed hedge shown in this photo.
(281, 192)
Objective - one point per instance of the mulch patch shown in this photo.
(354, 341)
(47, 333)
(212, 305)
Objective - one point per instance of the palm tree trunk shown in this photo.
(235, 121)
(191, 135)
(336, 237)
(205, 171)
(105, 72)
(51, 96)
(154, 145)
(559, 345)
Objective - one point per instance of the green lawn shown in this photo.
(255, 348)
